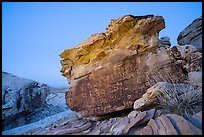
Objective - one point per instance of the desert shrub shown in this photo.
(186, 102)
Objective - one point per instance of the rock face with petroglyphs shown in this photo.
(109, 71)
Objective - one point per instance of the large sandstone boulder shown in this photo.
(192, 34)
(20, 97)
(110, 70)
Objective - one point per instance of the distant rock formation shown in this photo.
(20, 97)
(192, 34)
(110, 70)
(25, 101)
(165, 42)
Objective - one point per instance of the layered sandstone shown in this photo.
(150, 122)
(192, 34)
(110, 70)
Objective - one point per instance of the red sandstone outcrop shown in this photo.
(123, 62)
(110, 70)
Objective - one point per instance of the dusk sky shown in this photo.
(35, 33)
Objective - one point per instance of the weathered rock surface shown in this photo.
(195, 78)
(192, 34)
(110, 70)
(56, 98)
(172, 124)
(145, 123)
(20, 97)
(188, 57)
(165, 42)
(44, 126)
(133, 114)
(183, 126)
(25, 101)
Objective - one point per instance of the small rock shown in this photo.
(149, 115)
(165, 42)
(134, 121)
(133, 114)
(170, 130)
(117, 129)
(154, 126)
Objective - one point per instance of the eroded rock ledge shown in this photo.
(192, 34)
(110, 70)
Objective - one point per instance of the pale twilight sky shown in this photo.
(35, 33)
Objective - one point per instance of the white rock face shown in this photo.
(25, 101)
(20, 97)
(63, 116)
(57, 99)
(192, 34)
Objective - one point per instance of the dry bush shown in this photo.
(185, 102)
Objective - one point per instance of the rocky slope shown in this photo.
(26, 101)
(110, 70)
(192, 34)
(152, 121)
